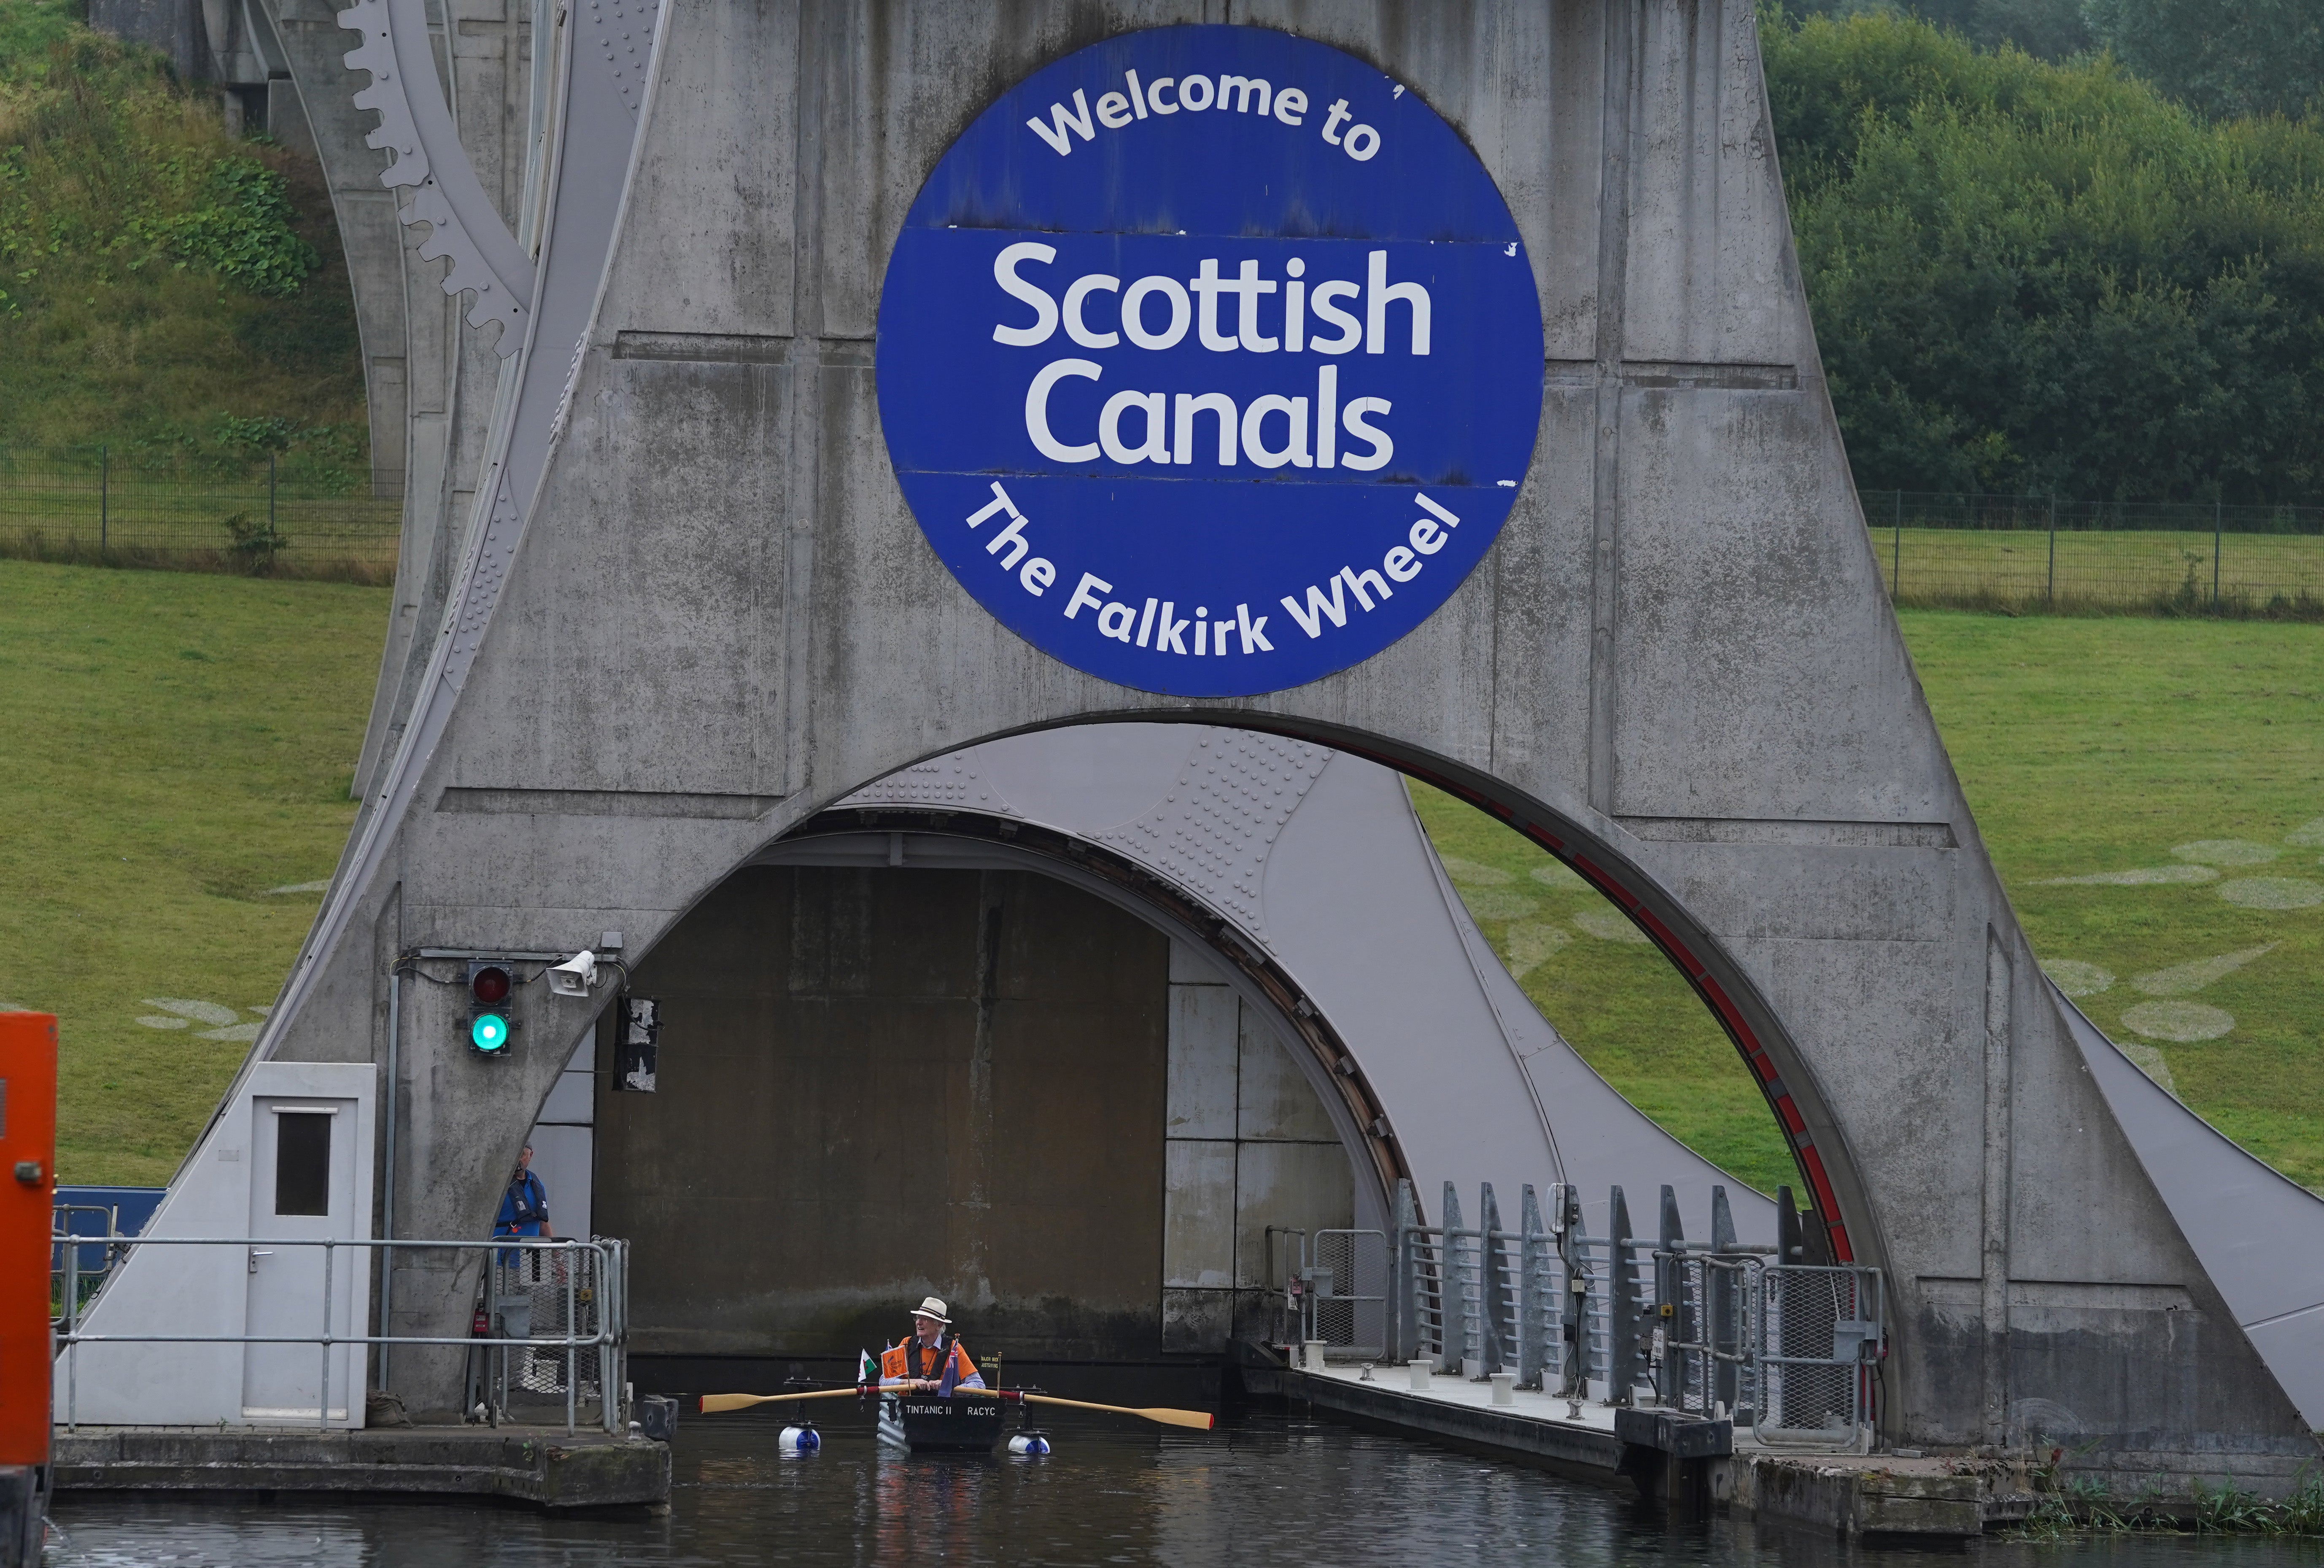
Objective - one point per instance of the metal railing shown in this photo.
(590, 1277)
(259, 519)
(1712, 1329)
(2035, 552)
(98, 1253)
(1330, 1287)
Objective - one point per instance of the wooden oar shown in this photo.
(1201, 1420)
(712, 1404)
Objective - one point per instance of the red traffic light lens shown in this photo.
(489, 985)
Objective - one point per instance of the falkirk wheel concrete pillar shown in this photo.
(698, 609)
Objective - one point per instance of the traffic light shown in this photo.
(489, 983)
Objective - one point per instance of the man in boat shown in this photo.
(929, 1356)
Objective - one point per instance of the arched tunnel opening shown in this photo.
(966, 1034)
(907, 1061)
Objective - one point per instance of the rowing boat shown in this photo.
(929, 1424)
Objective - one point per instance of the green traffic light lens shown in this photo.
(489, 1032)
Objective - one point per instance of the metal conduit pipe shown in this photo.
(387, 1187)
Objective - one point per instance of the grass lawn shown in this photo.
(177, 745)
(2184, 747)
(2182, 761)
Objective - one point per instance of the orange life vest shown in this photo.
(912, 1359)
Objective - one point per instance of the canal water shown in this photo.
(1267, 1489)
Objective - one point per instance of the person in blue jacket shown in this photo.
(524, 1207)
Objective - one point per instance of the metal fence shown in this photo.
(544, 1295)
(258, 520)
(558, 1317)
(1819, 1328)
(1789, 1350)
(2036, 553)
(1329, 1287)
(100, 1249)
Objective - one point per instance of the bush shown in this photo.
(156, 273)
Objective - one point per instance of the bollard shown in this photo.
(1504, 1387)
(1312, 1358)
(1419, 1376)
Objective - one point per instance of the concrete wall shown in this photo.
(1249, 1146)
(877, 1085)
(171, 26)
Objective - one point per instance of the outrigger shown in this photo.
(970, 1421)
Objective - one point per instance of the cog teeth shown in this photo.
(398, 133)
(428, 206)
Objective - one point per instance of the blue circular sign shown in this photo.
(1210, 360)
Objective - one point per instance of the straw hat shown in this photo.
(932, 1307)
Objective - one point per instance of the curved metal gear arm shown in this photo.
(417, 128)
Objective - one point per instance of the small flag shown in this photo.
(867, 1371)
(951, 1378)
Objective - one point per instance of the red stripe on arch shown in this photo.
(1756, 1056)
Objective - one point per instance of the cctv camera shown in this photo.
(575, 976)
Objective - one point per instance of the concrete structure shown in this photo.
(541, 1465)
(1701, 1465)
(690, 614)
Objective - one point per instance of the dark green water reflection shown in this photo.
(1268, 1490)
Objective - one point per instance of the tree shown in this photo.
(2224, 58)
(2050, 278)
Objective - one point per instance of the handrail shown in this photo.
(610, 1335)
(1693, 1326)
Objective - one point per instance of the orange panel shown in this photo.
(28, 1180)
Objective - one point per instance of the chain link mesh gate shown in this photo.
(542, 1295)
(1818, 1330)
(1347, 1294)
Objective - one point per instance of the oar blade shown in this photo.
(1199, 1420)
(712, 1404)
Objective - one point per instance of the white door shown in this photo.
(302, 1188)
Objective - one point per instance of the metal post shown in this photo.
(72, 1328)
(1897, 552)
(387, 1191)
(1452, 1288)
(1573, 1327)
(1719, 1303)
(2050, 597)
(323, 1404)
(270, 494)
(1535, 1301)
(1405, 1287)
(104, 498)
(1492, 1275)
(572, 1356)
(1622, 1306)
(1670, 1309)
(2215, 556)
